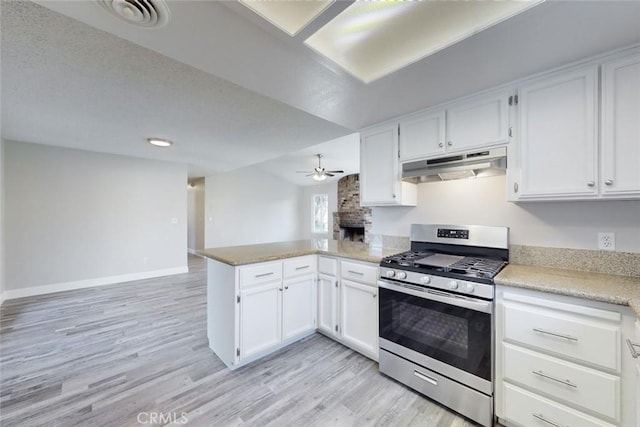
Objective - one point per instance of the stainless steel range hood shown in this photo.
(468, 165)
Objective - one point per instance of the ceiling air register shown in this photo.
(141, 13)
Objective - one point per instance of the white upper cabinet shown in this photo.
(620, 135)
(380, 181)
(557, 121)
(422, 135)
(478, 122)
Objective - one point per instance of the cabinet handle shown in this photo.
(566, 337)
(556, 379)
(336, 283)
(632, 348)
(280, 289)
(394, 196)
(449, 143)
(356, 272)
(546, 420)
(374, 295)
(591, 183)
(609, 182)
(426, 378)
(286, 287)
(441, 145)
(302, 267)
(264, 274)
(515, 187)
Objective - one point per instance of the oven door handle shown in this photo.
(439, 296)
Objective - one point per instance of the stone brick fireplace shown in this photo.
(351, 221)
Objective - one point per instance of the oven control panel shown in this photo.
(450, 233)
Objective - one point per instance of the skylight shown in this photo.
(289, 16)
(373, 39)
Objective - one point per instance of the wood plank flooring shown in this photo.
(116, 355)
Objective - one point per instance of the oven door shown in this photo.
(448, 333)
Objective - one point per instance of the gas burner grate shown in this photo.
(481, 267)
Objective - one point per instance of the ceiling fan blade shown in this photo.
(334, 171)
(310, 174)
(328, 174)
(305, 172)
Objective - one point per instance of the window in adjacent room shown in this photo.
(320, 213)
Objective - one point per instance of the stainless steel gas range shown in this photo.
(436, 315)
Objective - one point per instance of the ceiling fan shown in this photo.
(319, 173)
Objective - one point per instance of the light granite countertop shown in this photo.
(614, 289)
(250, 254)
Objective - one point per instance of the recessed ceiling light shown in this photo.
(373, 39)
(290, 16)
(160, 142)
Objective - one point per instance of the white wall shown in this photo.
(76, 218)
(1, 221)
(483, 201)
(195, 212)
(249, 206)
(306, 211)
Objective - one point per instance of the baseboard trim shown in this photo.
(90, 283)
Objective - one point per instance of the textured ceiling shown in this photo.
(65, 83)
(237, 90)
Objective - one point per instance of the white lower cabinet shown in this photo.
(561, 361)
(360, 317)
(348, 303)
(328, 304)
(260, 318)
(298, 306)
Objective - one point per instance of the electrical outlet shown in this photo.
(607, 241)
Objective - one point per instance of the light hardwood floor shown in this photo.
(114, 355)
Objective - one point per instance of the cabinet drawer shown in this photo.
(563, 333)
(530, 410)
(260, 273)
(578, 385)
(328, 265)
(359, 272)
(297, 266)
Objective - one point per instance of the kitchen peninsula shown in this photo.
(263, 297)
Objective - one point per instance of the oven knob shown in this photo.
(425, 280)
(391, 273)
(468, 287)
(401, 275)
(453, 284)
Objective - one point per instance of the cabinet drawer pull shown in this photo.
(359, 273)
(632, 348)
(264, 274)
(426, 378)
(591, 183)
(566, 337)
(609, 182)
(547, 420)
(556, 379)
(302, 267)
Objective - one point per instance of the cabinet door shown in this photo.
(379, 177)
(260, 318)
(422, 135)
(558, 136)
(478, 122)
(360, 317)
(298, 306)
(328, 304)
(620, 163)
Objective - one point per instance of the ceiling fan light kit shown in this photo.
(319, 173)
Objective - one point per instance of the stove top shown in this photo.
(427, 262)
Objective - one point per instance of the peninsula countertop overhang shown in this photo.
(251, 254)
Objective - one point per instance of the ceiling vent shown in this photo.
(141, 13)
